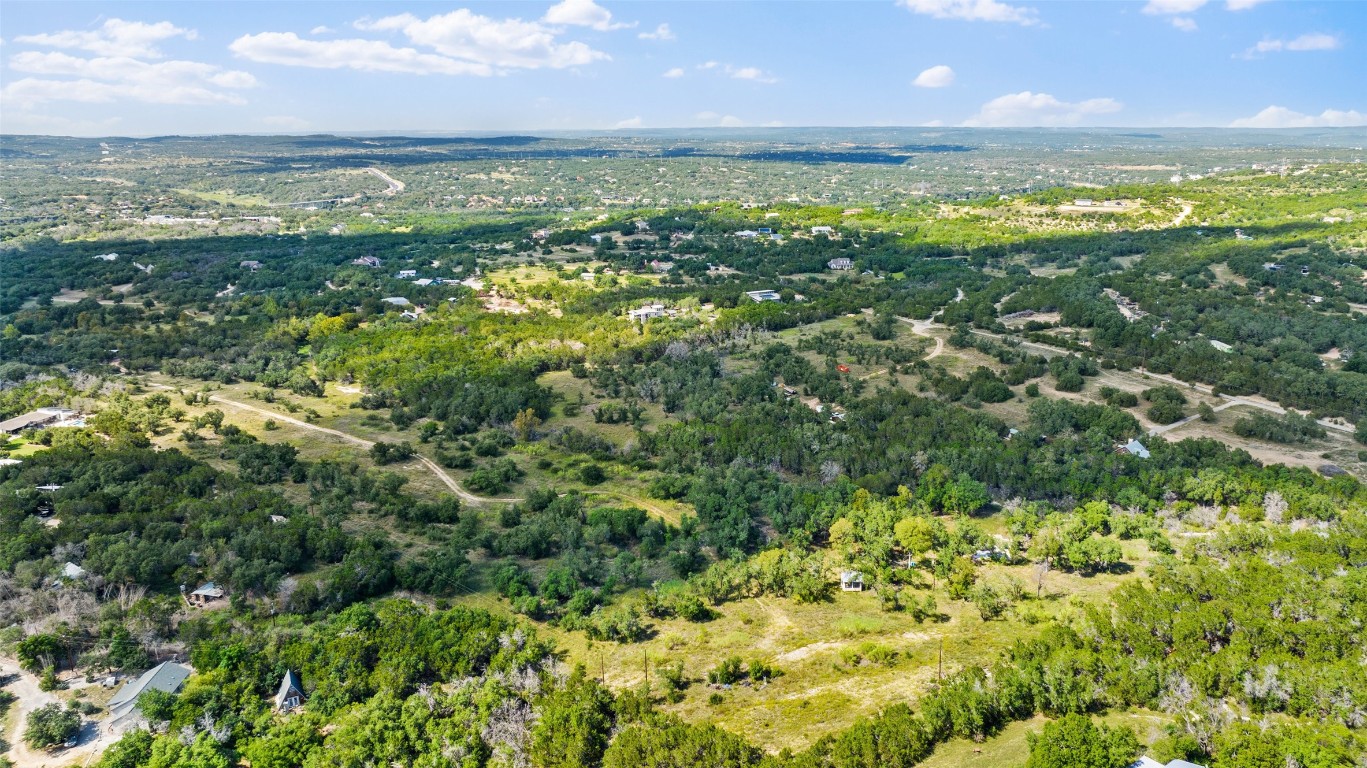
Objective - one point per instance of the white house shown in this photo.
(851, 581)
(841, 263)
(822, 230)
(405, 274)
(747, 234)
(647, 312)
(766, 295)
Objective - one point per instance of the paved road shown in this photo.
(395, 186)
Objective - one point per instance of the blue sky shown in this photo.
(132, 68)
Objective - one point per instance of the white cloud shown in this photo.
(583, 13)
(1242, 5)
(285, 122)
(938, 76)
(506, 43)
(289, 49)
(455, 43)
(673, 72)
(972, 10)
(752, 73)
(717, 119)
(1172, 7)
(1314, 41)
(1026, 109)
(662, 32)
(631, 122)
(115, 38)
(106, 79)
(1281, 117)
(1184, 23)
(322, 29)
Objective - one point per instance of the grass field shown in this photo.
(827, 681)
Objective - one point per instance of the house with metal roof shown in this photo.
(167, 677)
(291, 693)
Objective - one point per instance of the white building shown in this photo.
(647, 312)
(822, 230)
(841, 263)
(765, 295)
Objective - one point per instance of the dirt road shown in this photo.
(28, 697)
(435, 468)
(1181, 217)
(1252, 401)
(922, 328)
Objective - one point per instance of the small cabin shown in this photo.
(291, 693)
(851, 581)
(206, 594)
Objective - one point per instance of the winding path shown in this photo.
(1230, 400)
(922, 328)
(1181, 217)
(435, 468)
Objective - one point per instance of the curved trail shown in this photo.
(435, 468)
(1181, 217)
(922, 328)
(649, 506)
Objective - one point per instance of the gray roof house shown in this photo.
(167, 676)
(291, 693)
(1136, 448)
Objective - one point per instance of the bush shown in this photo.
(1074, 741)
(1166, 413)
(1070, 381)
(990, 603)
(591, 474)
(51, 726)
(1289, 428)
